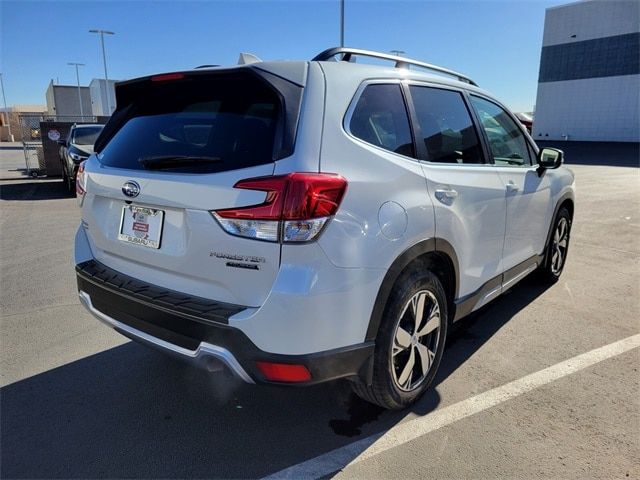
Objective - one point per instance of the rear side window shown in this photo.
(200, 124)
(380, 118)
(86, 135)
(446, 126)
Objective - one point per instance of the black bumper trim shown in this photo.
(160, 313)
(195, 308)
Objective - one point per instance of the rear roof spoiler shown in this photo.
(129, 90)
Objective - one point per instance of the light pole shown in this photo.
(342, 23)
(6, 112)
(104, 61)
(74, 64)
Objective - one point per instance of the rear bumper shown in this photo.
(197, 330)
(202, 356)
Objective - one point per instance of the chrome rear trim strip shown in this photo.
(198, 356)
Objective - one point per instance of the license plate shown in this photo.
(141, 225)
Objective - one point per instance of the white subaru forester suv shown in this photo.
(299, 222)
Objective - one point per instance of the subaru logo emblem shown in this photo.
(131, 188)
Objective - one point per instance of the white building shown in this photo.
(589, 81)
(101, 91)
(64, 101)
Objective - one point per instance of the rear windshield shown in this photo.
(86, 135)
(200, 124)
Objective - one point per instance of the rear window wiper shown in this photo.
(159, 162)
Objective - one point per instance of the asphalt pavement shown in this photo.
(77, 400)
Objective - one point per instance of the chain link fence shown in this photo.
(31, 135)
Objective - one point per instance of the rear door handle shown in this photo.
(446, 194)
(512, 187)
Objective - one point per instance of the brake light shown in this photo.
(296, 208)
(284, 372)
(167, 77)
(81, 185)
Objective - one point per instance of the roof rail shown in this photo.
(400, 62)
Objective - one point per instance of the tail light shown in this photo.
(296, 208)
(81, 185)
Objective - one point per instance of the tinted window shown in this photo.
(506, 140)
(230, 123)
(380, 118)
(446, 126)
(86, 135)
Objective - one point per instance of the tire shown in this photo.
(557, 250)
(71, 184)
(396, 384)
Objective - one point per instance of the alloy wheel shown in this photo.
(415, 341)
(559, 246)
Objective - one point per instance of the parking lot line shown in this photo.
(365, 448)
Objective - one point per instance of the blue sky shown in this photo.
(497, 43)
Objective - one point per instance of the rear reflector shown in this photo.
(167, 77)
(295, 209)
(284, 372)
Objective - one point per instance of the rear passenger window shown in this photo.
(380, 118)
(446, 126)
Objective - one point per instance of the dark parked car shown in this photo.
(77, 147)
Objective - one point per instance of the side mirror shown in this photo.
(62, 142)
(549, 158)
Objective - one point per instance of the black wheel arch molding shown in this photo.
(398, 267)
(566, 198)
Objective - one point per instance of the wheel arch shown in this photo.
(566, 200)
(441, 259)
